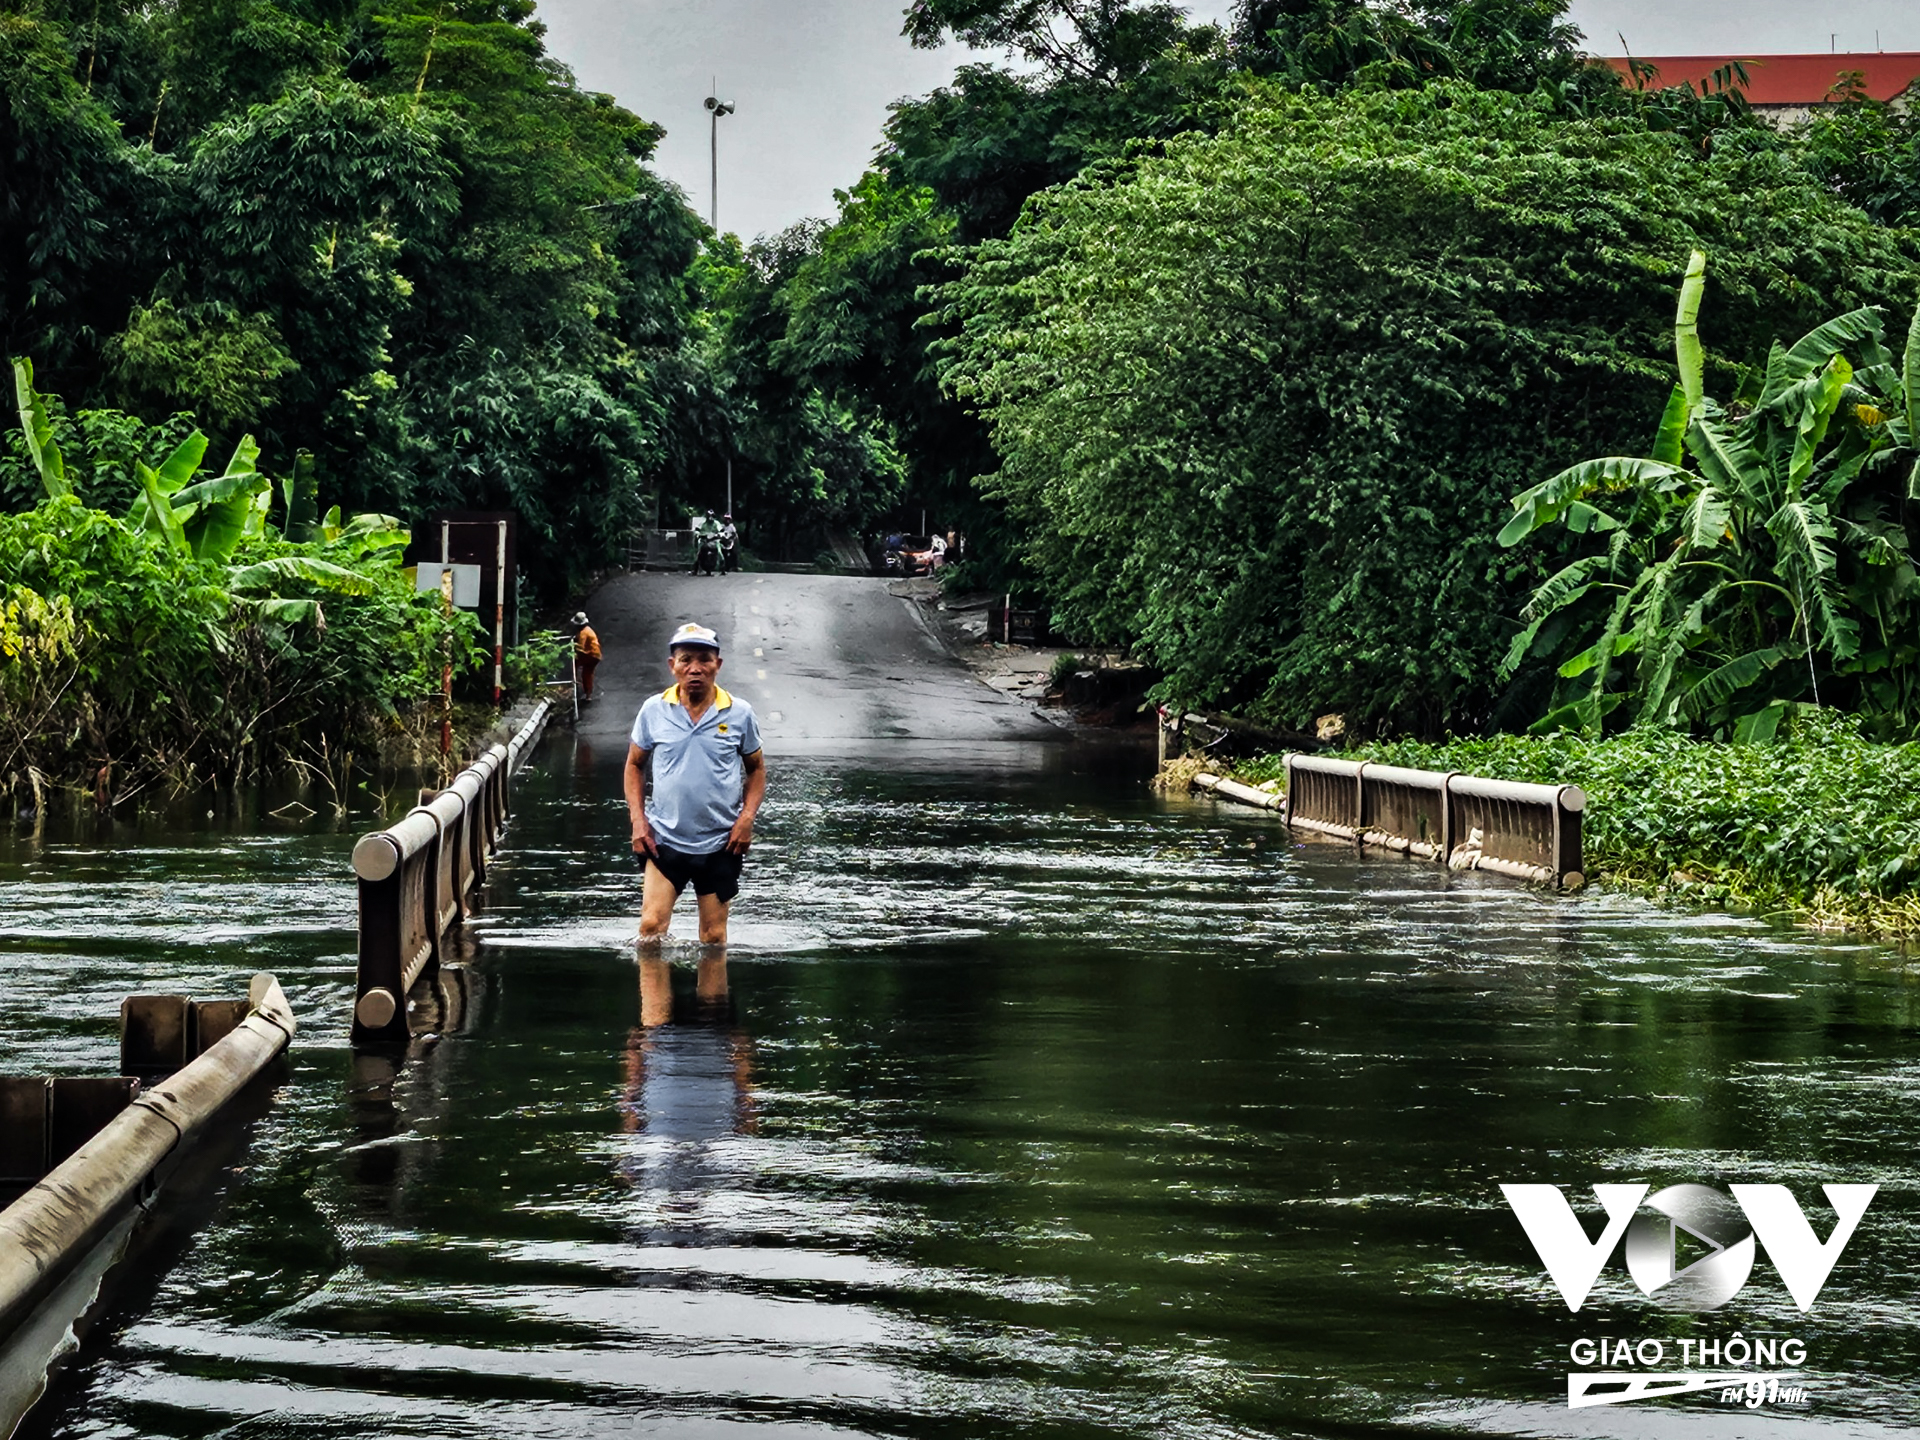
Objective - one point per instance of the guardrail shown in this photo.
(419, 878)
(92, 1152)
(1531, 832)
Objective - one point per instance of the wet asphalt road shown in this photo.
(832, 664)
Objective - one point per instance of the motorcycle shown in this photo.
(706, 556)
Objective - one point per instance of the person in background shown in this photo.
(936, 551)
(586, 653)
(729, 544)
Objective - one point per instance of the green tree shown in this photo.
(1258, 396)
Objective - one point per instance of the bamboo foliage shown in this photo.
(1755, 561)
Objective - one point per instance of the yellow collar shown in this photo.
(721, 699)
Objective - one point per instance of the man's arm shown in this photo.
(636, 785)
(741, 839)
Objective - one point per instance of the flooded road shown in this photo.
(1024, 1104)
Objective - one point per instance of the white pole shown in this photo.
(499, 611)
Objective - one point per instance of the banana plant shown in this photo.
(210, 518)
(1749, 553)
(206, 519)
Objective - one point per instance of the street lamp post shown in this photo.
(716, 108)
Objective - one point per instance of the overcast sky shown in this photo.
(813, 78)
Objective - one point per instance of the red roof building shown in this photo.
(1778, 82)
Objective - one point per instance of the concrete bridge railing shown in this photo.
(419, 879)
(1528, 831)
(1532, 832)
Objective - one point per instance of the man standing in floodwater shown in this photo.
(709, 777)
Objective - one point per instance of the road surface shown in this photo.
(831, 663)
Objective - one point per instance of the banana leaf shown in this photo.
(37, 425)
(1838, 335)
(1686, 342)
(1669, 442)
(302, 490)
(1823, 400)
(1910, 372)
(1556, 497)
(1721, 685)
(266, 574)
(1779, 380)
(1659, 669)
(176, 472)
(1805, 532)
(1727, 460)
(1759, 727)
(1703, 523)
(371, 539)
(289, 612)
(1566, 585)
(157, 510)
(1585, 715)
(1595, 653)
(215, 513)
(1837, 469)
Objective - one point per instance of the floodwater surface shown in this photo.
(1024, 1104)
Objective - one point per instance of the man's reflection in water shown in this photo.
(689, 1086)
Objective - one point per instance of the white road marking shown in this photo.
(754, 608)
(759, 674)
(758, 653)
(776, 716)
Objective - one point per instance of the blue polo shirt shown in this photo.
(699, 778)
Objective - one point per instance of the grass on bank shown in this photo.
(1822, 827)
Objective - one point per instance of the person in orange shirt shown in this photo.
(586, 654)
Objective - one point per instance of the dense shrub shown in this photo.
(118, 652)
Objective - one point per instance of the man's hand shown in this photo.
(643, 842)
(740, 838)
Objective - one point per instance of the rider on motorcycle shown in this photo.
(729, 544)
(707, 544)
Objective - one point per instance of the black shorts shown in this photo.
(715, 874)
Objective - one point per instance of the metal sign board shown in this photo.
(466, 582)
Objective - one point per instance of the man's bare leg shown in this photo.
(710, 982)
(656, 906)
(713, 919)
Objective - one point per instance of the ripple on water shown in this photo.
(1033, 1107)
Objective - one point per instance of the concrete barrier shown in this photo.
(74, 1222)
(419, 878)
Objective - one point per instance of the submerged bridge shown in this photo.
(953, 857)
